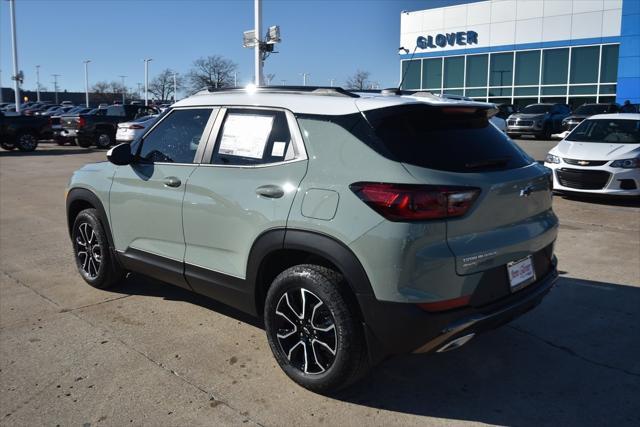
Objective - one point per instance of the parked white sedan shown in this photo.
(129, 131)
(601, 155)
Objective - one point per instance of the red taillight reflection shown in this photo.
(81, 122)
(404, 202)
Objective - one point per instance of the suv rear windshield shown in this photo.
(536, 109)
(593, 109)
(607, 131)
(456, 139)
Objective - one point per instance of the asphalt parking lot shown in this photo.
(148, 353)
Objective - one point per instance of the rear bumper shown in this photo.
(395, 328)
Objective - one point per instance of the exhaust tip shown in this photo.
(457, 343)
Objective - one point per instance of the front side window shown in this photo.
(175, 139)
(116, 110)
(607, 131)
(252, 137)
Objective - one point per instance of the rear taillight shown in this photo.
(406, 202)
(136, 127)
(448, 304)
(81, 122)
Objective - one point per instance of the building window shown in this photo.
(411, 73)
(583, 90)
(554, 90)
(503, 91)
(432, 73)
(525, 91)
(453, 92)
(554, 66)
(454, 72)
(477, 71)
(608, 89)
(609, 66)
(584, 64)
(475, 93)
(528, 68)
(501, 69)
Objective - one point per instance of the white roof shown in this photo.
(619, 116)
(308, 103)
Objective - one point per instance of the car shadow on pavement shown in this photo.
(571, 361)
(47, 152)
(136, 284)
(602, 200)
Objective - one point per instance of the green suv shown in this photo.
(357, 226)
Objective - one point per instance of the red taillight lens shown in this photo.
(81, 122)
(405, 202)
(136, 127)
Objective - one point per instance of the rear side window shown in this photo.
(176, 138)
(253, 137)
(450, 139)
(116, 110)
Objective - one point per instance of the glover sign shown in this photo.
(461, 38)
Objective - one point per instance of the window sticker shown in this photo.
(278, 149)
(245, 135)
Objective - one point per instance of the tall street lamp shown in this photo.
(146, 80)
(86, 82)
(124, 88)
(16, 75)
(38, 83)
(55, 85)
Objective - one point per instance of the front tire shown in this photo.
(27, 142)
(94, 259)
(84, 143)
(313, 330)
(7, 146)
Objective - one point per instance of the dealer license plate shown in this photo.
(521, 273)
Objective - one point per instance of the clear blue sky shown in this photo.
(329, 39)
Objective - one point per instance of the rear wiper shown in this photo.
(488, 163)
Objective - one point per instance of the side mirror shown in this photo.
(120, 155)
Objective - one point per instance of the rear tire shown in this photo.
(26, 142)
(103, 139)
(313, 330)
(96, 264)
(84, 143)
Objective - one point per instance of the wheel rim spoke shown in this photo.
(305, 330)
(88, 250)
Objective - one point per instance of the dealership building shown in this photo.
(525, 51)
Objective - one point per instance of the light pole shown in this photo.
(235, 79)
(86, 82)
(1, 86)
(331, 82)
(14, 42)
(284, 82)
(304, 78)
(146, 80)
(38, 83)
(124, 88)
(139, 89)
(257, 52)
(55, 85)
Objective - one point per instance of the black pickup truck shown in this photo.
(23, 132)
(100, 129)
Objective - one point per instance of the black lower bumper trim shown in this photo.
(394, 328)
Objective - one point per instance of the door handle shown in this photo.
(172, 181)
(270, 191)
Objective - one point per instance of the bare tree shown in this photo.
(358, 81)
(212, 71)
(268, 78)
(101, 91)
(161, 87)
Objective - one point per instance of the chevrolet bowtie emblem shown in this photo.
(583, 162)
